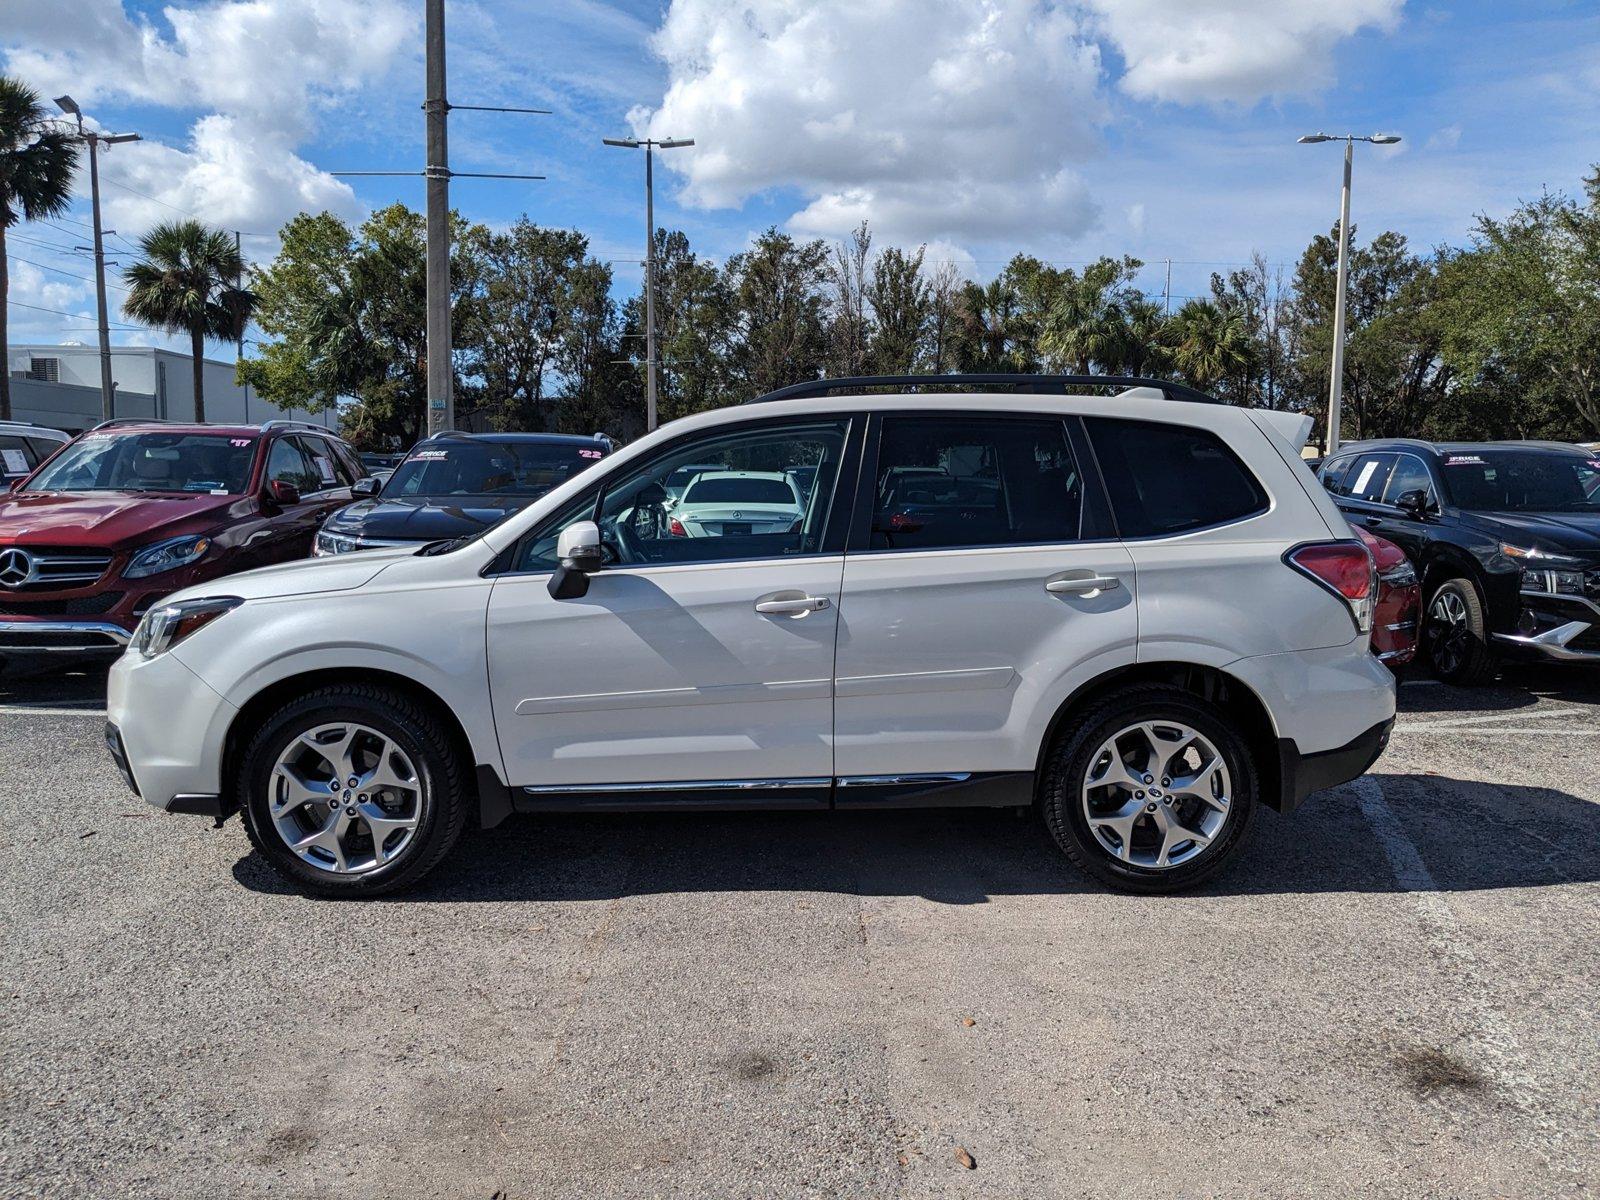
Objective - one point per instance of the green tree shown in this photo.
(991, 328)
(1085, 325)
(1209, 344)
(186, 281)
(780, 335)
(696, 323)
(900, 300)
(37, 162)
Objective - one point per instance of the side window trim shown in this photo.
(845, 486)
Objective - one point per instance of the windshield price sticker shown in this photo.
(1464, 460)
(428, 455)
(325, 469)
(16, 463)
(589, 454)
(239, 443)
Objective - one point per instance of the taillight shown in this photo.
(1346, 569)
(676, 529)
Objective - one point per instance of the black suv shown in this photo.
(1505, 536)
(456, 484)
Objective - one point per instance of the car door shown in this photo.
(982, 581)
(1387, 519)
(702, 659)
(288, 529)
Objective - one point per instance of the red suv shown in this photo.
(134, 510)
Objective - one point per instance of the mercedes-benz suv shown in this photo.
(1138, 613)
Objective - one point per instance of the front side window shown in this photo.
(286, 463)
(1490, 480)
(458, 467)
(17, 457)
(323, 465)
(1410, 474)
(150, 462)
(1165, 479)
(951, 482)
(741, 501)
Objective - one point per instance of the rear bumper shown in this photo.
(1303, 774)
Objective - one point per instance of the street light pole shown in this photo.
(1336, 375)
(441, 375)
(108, 402)
(650, 145)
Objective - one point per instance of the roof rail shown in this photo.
(450, 433)
(288, 423)
(117, 422)
(1050, 385)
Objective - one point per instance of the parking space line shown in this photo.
(1448, 943)
(1521, 715)
(1587, 731)
(39, 710)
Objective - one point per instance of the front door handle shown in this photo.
(1083, 585)
(790, 606)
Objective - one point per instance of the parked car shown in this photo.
(456, 485)
(23, 446)
(132, 510)
(1505, 536)
(1394, 622)
(1156, 630)
(375, 461)
(736, 504)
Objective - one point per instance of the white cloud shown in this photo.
(260, 73)
(1232, 51)
(945, 118)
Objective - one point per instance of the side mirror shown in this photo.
(1414, 503)
(15, 483)
(284, 495)
(365, 487)
(581, 555)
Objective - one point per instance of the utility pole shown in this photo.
(1167, 301)
(650, 362)
(1336, 375)
(238, 354)
(108, 400)
(441, 374)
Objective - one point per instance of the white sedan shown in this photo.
(724, 503)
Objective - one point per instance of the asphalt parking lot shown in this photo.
(1392, 993)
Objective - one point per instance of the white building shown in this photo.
(59, 386)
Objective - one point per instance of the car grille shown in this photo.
(45, 568)
(77, 606)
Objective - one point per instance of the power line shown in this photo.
(56, 246)
(62, 313)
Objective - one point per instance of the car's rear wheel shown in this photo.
(352, 791)
(1150, 790)
(1455, 634)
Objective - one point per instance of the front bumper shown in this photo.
(1554, 628)
(1303, 774)
(169, 727)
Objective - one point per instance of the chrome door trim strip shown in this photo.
(850, 781)
(115, 633)
(682, 785)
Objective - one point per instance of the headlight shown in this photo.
(1543, 571)
(165, 625)
(334, 543)
(1402, 574)
(166, 556)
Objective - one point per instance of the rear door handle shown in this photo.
(1083, 585)
(791, 606)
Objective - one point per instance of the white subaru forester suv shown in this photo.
(1139, 613)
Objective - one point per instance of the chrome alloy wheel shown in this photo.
(345, 798)
(1156, 794)
(1446, 630)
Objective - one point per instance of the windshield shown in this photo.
(488, 468)
(741, 491)
(150, 462)
(1523, 481)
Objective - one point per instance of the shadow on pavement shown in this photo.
(1517, 687)
(1471, 835)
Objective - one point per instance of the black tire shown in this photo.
(1459, 652)
(445, 793)
(1073, 755)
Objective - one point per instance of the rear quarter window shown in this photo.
(1165, 479)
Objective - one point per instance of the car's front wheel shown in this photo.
(352, 791)
(1455, 634)
(1150, 790)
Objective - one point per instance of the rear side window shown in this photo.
(1165, 479)
(1332, 473)
(1367, 477)
(327, 472)
(951, 482)
(17, 456)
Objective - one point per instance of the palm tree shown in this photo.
(1143, 337)
(1211, 344)
(187, 283)
(1084, 325)
(37, 162)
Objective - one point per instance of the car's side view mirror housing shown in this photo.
(365, 487)
(1414, 503)
(581, 555)
(283, 494)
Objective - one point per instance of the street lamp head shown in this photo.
(69, 106)
(1312, 138)
(1384, 139)
(674, 143)
(625, 143)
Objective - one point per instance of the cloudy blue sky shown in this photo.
(1164, 129)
